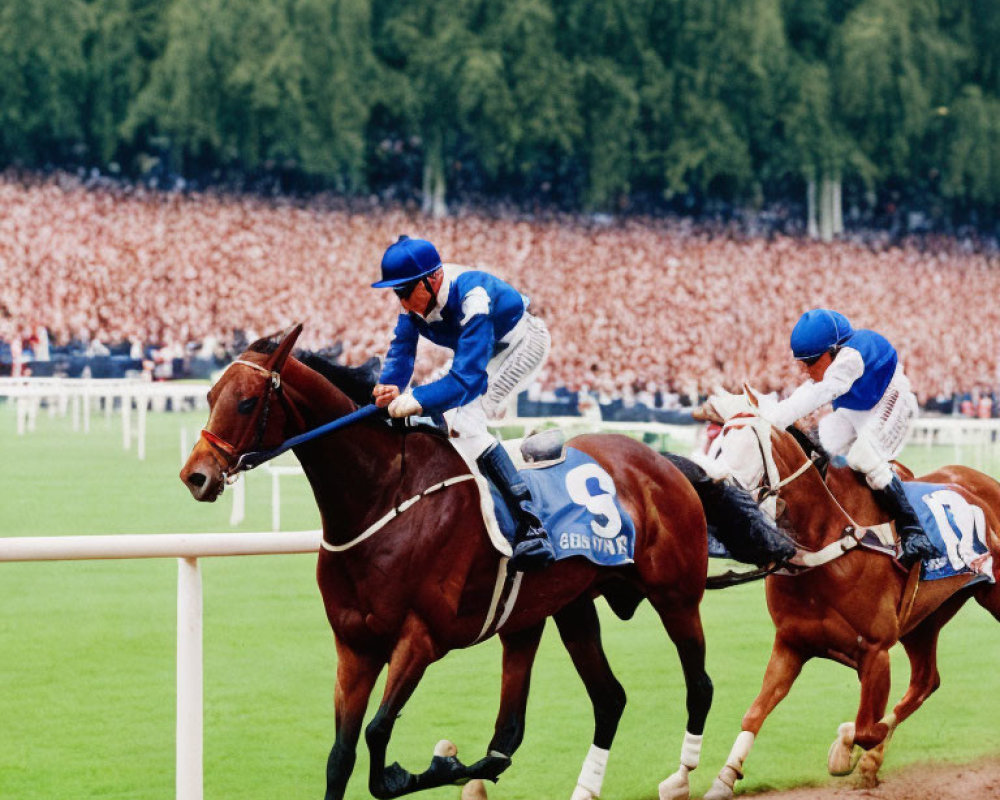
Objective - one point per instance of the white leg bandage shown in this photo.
(739, 753)
(592, 775)
(691, 751)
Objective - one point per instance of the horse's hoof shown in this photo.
(843, 755)
(445, 748)
(474, 790)
(676, 787)
(719, 791)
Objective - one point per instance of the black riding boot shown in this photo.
(532, 548)
(916, 545)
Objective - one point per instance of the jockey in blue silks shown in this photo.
(859, 372)
(498, 349)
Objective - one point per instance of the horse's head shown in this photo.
(248, 411)
(759, 457)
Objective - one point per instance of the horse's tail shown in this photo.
(734, 518)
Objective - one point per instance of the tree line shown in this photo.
(585, 104)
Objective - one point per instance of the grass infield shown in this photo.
(87, 657)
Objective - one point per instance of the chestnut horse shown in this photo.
(404, 593)
(853, 606)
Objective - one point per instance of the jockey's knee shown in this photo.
(865, 458)
(836, 434)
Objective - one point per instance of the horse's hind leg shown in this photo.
(580, 630)
(683, 624)
(356, 674)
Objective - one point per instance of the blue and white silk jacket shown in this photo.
(474, 311)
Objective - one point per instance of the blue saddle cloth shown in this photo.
(578, 504)
(956, 528)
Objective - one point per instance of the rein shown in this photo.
(254, 458)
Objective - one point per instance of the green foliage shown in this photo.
(42, 76)
(604, 96)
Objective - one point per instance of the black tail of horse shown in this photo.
(735, 519)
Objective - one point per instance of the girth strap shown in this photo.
(395, 512)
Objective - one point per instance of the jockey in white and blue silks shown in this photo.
(858, 371)
(499, 348)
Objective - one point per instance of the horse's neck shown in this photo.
(817, 517)
(359, 473)
(858, 500)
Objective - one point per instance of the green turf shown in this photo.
(87, 655)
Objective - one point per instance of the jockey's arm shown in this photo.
(843, 371)
(467, 378)
(398, 367)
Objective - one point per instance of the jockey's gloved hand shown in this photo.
(405, 405)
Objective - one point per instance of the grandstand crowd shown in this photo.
(644, 313)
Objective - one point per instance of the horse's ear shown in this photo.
(751, 395)
(285, 344)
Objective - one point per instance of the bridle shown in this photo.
(852, 534)
(232, 452)
(771, 481)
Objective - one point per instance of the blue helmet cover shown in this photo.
(406, 261)
(817, 331)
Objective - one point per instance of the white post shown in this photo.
(21, 414)
(275, 502)
(189, 681)
(126, 420)
(86, 407)
(140, 436)
(239, 501)
(75, 402)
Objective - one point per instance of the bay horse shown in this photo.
(404, 593)
(850, 608)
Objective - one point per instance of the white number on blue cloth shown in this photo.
(600, 505)
(947, 507)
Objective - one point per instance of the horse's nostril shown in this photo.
(197, 479)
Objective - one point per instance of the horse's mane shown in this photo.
(809, 442)
(356, 382)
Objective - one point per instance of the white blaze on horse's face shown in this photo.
(741, 452)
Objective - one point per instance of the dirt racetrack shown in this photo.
(979, 780)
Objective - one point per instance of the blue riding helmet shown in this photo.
(817, 331)
(407, 261)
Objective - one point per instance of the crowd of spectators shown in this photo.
(645, 313)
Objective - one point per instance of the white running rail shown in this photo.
(187, 548)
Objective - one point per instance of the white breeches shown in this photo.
(871, 439)
(509, 371)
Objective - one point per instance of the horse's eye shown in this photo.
(246, 405)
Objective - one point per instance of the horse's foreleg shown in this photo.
(356, 674)
(870, 728)
(519, 651)
(684, 627)
(921, 648)
(580, 631)
(783, 668)
(414, 651)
